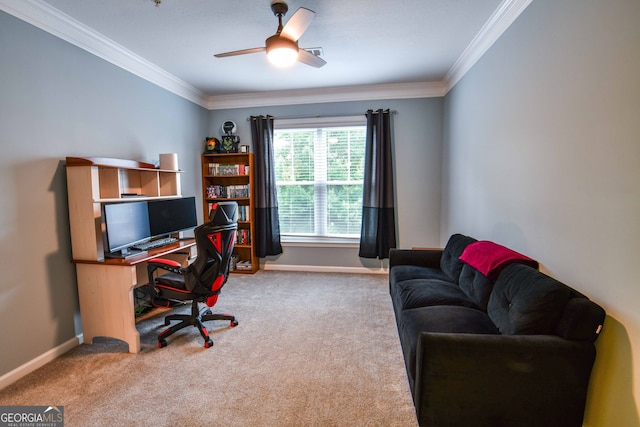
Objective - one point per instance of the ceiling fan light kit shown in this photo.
(282, 47)
(281, 51)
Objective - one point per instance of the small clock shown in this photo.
(229, 127)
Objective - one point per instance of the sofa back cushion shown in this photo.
(476, 285)
(450, 263)
(526, 301)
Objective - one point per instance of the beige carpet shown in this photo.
(310, 350)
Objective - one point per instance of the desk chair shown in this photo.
(202, 280)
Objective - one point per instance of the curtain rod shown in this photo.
(322, 116)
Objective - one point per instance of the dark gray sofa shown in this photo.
(497, 344)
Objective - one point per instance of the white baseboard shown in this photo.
(323, 269)
(21, 371)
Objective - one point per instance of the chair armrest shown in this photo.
(164, 264)
(162, 261)
(429, 258)
(518, 379)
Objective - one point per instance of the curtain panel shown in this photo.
(267, 226)
(378, 233)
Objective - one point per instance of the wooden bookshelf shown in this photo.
(230, 177)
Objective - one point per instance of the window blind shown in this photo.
(319, 172)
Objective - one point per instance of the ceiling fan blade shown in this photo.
(309, 58)
(298, 23)
(240, 52)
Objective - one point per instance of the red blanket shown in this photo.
(489, 258)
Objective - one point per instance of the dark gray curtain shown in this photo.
(378, 233)
(267, 222)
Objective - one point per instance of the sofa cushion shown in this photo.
(526, 301)
(440, 319)
(476, 285)
(450, 262)
(423, 293)
(400, 273)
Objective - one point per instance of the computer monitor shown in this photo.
(170, 216)
(126, 224)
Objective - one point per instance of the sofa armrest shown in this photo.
(429, 258)
(523, 380)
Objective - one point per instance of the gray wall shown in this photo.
(418, 153)
(56, 101)
(542, 154)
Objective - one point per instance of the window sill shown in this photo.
(316, 242)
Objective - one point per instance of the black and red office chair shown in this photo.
(203, 279)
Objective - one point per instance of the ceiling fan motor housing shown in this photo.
(279, 42)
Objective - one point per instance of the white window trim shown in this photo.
(320, 242)
(319, 122)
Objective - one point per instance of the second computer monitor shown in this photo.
(170, 216)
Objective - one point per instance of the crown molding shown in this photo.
(51, 20)
(334, 94)
(490, 32)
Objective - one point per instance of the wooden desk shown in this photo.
(106, 288)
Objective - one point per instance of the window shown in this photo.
(319, 168)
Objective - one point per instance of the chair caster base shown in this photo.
(208, 343)
(234, 323)
(162, 343)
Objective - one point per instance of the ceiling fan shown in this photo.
(282, 47)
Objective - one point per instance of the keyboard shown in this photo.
(154, 243)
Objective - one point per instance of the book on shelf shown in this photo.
(228, 191)
(244, 265)
(243, 237)
(233, 262)
(244, 213)
(221, 169)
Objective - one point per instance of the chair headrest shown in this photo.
(224, 213)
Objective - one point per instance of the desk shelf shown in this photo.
(93, 181)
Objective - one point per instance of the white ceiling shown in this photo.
(365, 42)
